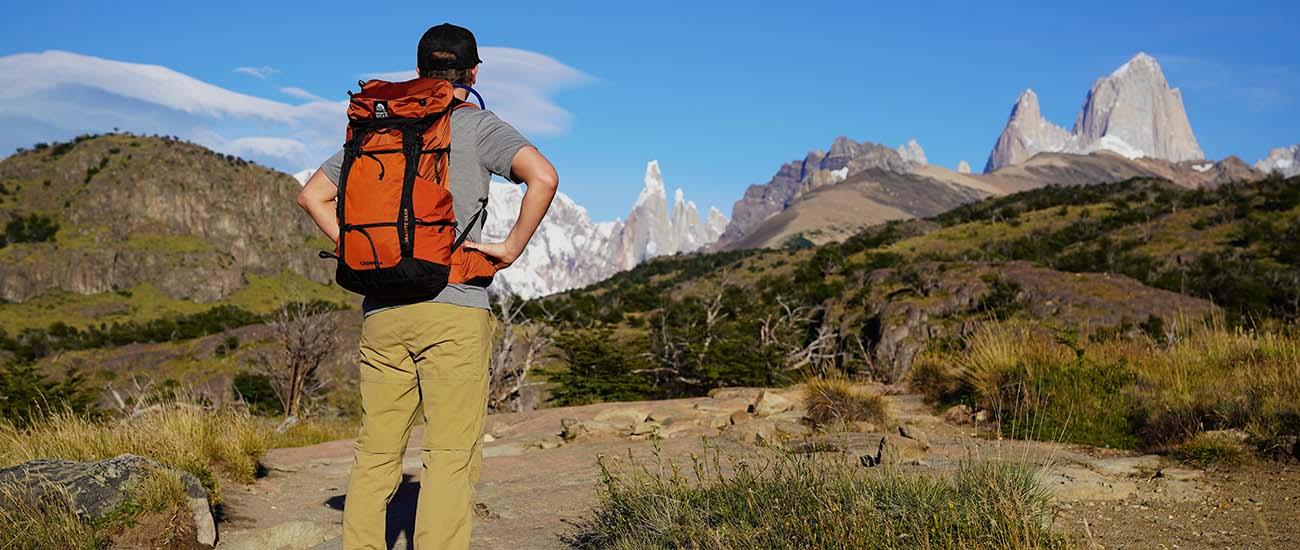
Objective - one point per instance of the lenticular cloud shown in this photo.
(55, 95)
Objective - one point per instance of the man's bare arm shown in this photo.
(530, 167)
(319, 198)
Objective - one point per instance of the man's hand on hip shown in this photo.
(501, 254)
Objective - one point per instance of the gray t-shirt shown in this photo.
(481, 145)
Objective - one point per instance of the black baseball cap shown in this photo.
(449, 38)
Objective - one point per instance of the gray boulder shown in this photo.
(99, 488)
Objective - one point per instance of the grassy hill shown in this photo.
(125, 255)
(1101, 259)
(118, 228)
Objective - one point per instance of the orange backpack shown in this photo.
(397, 228)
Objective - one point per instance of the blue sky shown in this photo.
(721, 93)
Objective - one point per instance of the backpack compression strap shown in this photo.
(480, 217)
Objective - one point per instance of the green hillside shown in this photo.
(120, 227)
(1101, 259)
(121, 255)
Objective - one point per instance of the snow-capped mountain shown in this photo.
(559, 256)
(1132, 112)
(1285, 160)
(570, 251)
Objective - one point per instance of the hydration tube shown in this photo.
(481, 105)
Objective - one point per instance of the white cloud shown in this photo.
(259, 72)
(294, 91)
(55, 95)
(517, 86)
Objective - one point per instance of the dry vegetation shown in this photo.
(837, 401)
(781, 500)
(153, 514)
(211, 444)
(1156, 393)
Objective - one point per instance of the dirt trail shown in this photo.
(534, 480)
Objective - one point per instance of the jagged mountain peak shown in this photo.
(1140, 62)
(1026, 103)
(654, 183)
(1284, 160)
(1132, 111)
(570, 251)
(912, 152)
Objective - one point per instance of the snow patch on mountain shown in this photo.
(1284, 160)
(569, 250)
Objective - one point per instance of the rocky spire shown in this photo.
(1135, 107)
(912, 152)
(963, 167)
(1133, 112)
(1026, 134)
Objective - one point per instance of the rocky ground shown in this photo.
(539, 474)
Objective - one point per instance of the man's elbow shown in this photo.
(304, 200)
(547, 180)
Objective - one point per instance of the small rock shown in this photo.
(572, 429)
(756, 431)
(549, 443)
(958, 414)
(900, 450)
(747, 394)
(716, 421)
(481, 511)
(792, 416)
(769, 403)
(289, 535)
(864, 426)
(912, 432)
(983, 416)
(487, 438)
(622, 419)
(738, 417)
(645, 428)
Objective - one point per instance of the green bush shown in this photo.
(32, 228)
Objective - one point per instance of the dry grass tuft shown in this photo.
(50, 523)
(1213, 449)
(780, 500)
(836, 401)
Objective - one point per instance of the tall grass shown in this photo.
(836, 401)
(211, 444)
(157, 500)
(782, 500)
(1126, 392)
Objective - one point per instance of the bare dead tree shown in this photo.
(520, 344)
(137, 394)
(306, 339)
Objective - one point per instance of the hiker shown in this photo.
(421, 264)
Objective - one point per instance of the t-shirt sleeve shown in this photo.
(497, 144)
(333, 167)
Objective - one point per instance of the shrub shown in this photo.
(32, 228)
(1126, 393)
(779, 500)
(1213, 449)
(832, 401)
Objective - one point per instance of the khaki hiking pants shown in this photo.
(431, 358)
